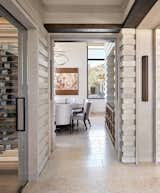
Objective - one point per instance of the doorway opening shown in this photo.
(85, 71)
(13, 109)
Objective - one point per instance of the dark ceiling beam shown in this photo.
(83, 28)
(138, 11)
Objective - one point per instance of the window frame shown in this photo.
(96, 59)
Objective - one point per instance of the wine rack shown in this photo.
(110, 122)
(8, 94)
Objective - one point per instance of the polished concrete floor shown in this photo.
(8, 181)
(85, 162)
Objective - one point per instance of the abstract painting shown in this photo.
(67, 81)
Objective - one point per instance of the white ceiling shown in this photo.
(84, 2)
(86, 11)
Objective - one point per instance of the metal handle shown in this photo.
(144, 78)
(20, 114)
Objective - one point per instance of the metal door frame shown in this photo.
(22, 92)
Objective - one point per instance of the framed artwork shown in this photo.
(67, 81)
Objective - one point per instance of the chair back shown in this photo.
(87, 108)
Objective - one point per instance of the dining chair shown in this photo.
(79, 109)
(83, 116)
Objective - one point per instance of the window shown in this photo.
(96, 71)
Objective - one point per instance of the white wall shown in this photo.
(144, 110)
(77, 54)
(98, 106)
(157, 95)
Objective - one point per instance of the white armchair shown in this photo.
(63, 114)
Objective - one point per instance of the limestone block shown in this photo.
(128, 123)
(127, 58)
(128, 138)
(127, 85)
(128, 95)
(127, 50)
(128, 117)
(128, 101)
(127, 111)
(128, 159)
(130, 40)
(127, 31)
(128, 106)
(126, 148)
(127, 64)
(130, 127)
(128, 154)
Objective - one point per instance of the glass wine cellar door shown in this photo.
(13, 109)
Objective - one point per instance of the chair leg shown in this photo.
(71, 130)
(85, 124)
(77, 123)
(89, 122)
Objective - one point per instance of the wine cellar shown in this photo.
(110, 122)
(110, 98)
(8, 92)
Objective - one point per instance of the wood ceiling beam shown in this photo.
(138, 11)
(82, 28)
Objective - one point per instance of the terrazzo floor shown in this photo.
(8, 181)
(85, 162)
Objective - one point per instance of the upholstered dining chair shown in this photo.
(84, 115)
(79, 109)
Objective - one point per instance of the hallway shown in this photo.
(84, 162)
(56, 56)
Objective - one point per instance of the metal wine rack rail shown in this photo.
(8, 94)
(110, 122)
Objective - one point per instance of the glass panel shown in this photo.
(12, 74)
(96, 78)
(8, 92)
(96, 52)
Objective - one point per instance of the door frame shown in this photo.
(116, 99)
(22, 92)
